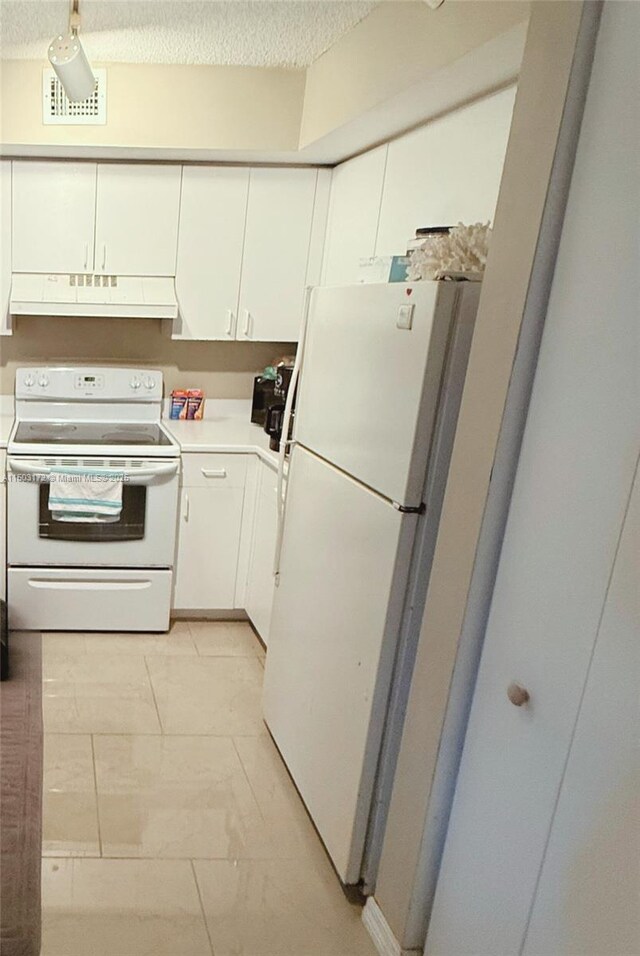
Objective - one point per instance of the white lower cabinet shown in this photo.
(3, 527)
(227, 529)
(209, 528)
(260, 581)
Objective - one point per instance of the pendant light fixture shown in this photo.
(69, 60)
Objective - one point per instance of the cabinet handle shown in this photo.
(104, 256)
(86, 255)
(214, 472)
(247, 323)
(229, 322)
(517, 694)
(185, 513)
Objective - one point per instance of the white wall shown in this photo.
(222, 369)
(397, 46)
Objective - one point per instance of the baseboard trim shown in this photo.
(381, 933)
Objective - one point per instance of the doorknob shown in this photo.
(517, 694)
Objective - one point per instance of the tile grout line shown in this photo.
(202, 909)
(153, 694)
(95, 784)
(193, 639)
(250, 785)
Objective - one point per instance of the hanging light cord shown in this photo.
(74, 18)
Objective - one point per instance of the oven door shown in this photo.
(143, 535)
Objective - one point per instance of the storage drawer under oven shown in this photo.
(88, 599)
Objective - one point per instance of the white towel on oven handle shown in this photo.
(85, 494)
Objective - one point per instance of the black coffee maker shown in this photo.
(274, 419)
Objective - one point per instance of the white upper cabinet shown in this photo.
(137, 213)
(261, 581)
(212, 218)
(5, 245)
(354, 211)
(278, 240)
(446, 172)
(53, 216)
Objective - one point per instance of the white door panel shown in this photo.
(261, 581)
(354, 211)
(53, 216)
(332, 642)
(375, 419)
(137, 219)
(208, 545)
(587, 901)
(5, 246)
(445, 172)
(276, 253)
(212, 218)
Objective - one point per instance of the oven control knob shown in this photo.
(135, 383)
(43, 381)
(149, 383)
(29, 381)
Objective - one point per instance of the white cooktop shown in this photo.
(90, 411)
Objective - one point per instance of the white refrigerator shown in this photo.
(381, 377)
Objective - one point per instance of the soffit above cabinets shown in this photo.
(284, 33)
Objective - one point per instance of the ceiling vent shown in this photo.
(59, 110)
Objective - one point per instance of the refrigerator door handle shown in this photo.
(285, 442)
(408, 510)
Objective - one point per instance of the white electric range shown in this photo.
(103, 576)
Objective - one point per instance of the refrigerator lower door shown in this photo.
(332, 646)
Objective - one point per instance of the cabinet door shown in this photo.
(260, 587)
(354, 210)
(445, 172)
(53, 216)
(276, 253)
(5, 245)
(137, 219)
(3, 528)
(213, 208)
(208, 545)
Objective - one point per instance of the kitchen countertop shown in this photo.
(222, 433)
(6, 424)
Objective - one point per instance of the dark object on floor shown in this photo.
(21, 799)
(4, 642)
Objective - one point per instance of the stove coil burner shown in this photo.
(54, 428)
(123, 438)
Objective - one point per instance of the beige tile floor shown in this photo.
(170, 823)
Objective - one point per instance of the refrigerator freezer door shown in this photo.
(369, 389)
(332, 646)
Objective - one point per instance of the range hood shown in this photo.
(80, 295)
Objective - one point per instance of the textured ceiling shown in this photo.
(290, 33)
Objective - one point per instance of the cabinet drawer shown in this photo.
(213, 470)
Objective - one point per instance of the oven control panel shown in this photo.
(97, 384)
(85, 381)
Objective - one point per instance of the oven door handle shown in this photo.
(132, 475)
